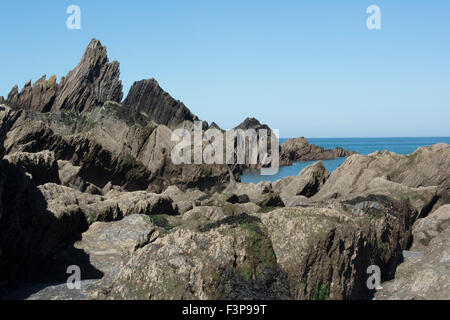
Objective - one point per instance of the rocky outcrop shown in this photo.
(387, 173)
(92, 183)
(93, 82)
(298, 149)
(110, 245)
(307, 183)
(113, 206)
(7, 119)
(255, 192)
(40, 96)
(112, 148)
(326, 251)
(252, 123)
(146, 96)
(230, 259)
(42, 166)
(425, 273)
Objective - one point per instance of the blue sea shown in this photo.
(361, 145)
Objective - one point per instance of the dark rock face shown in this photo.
(252, 123)
(425, 272)
(42, 166)
(93, 82)
(298, 149)
(147, 96)
(29, 233)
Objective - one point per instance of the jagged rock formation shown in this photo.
(40, 96)
(92, 184)
(146, 96)
(298, 149)
(93, 82)
(107, 148)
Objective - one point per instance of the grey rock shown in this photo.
(307, 183)
(147, 97)
(299, 149)
(219, 261)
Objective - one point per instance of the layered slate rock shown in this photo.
(146, 96)
(299, 149)
(40, 96)
(93, 81)
(108, 148)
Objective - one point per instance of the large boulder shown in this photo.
(229, 259)
(307, 183)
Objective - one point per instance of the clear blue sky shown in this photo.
(308, 68)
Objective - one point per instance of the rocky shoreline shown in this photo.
(87, 180)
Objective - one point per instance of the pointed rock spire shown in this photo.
(93, 82)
